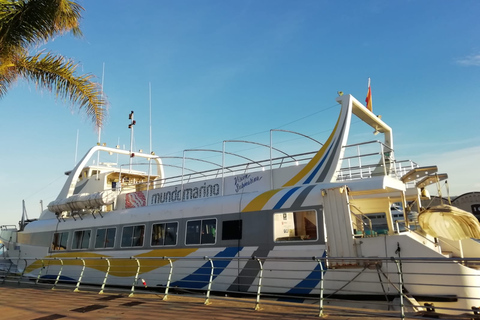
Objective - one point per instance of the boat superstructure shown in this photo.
(325, 203)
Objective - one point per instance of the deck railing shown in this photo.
(272, 275)
(360, 161)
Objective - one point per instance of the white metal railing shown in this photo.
(361, 161)
(367, 159)
(281, 271)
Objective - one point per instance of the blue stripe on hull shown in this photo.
(285, 198)
(199, 278)
(306, 286)
(54, 277)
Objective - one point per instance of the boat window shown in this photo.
(295, 226)
(201, 231)
(59, 241)
(105, 238)
(232, 230)
(81, 239)
(164, 234)
(132, 236)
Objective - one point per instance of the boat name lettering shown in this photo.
(244, 181)
(204, 191)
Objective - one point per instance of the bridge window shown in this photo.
(81, 239)
(232, 230)
(201, 231)
(59, 241)
(132, 236)
(105, 238)
(164, 234)
(295, 226)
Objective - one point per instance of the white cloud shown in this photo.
(471, 60)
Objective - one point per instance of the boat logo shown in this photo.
(135, 199)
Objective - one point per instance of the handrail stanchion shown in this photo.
(259, 289)
(81, 276)
(320, 312)
(23, 271)
(8, 271)
(106, 276)
(40, 272)
(400, 289)
(210, 280)
(169, 278)
(59, 273)
(136, 277)
(383, 160)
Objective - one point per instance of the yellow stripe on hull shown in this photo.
(259, 202)
(119, 267)
(316, 159)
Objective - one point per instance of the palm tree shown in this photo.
(26, 24)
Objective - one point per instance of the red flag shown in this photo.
(368, 100)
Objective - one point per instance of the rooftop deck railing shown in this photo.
(360, 161)
(266, 278)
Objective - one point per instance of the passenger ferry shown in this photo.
(302, 205)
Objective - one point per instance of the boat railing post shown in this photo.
(259, 288)
(400, 289)
(210, 280)
(40, 272)
(81, 276)
(271, 163)
(59, 273)
(136, 277)
(383, 159)
(183, 175)
(349, 169)
(23, 271)
(169, 278)
(359, 162)
(223, 167)
(320, 306)
(106, 276)
(8, 271)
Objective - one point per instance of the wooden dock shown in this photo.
(27, 301)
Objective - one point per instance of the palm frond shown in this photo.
(7, 77)
(57, 74)
(27, 22)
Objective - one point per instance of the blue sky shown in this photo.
(231, 69)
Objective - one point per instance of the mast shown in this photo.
(130, 126)
(151, 151)
(99, 128)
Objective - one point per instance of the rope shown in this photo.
(346, 283)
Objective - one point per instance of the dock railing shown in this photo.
(266, 279)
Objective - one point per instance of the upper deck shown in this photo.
(197, 177)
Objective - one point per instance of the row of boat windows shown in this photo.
(288, 226)
(163, 234)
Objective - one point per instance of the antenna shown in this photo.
(130, 126)
(100, 128)
(150, 99)
(151, 149)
